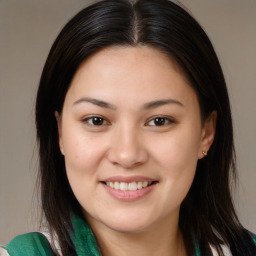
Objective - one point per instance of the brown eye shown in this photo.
(160, 121)
(95, 120)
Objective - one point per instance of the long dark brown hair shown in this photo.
(207, 214)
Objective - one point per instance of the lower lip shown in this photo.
(129, 195)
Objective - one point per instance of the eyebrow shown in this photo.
(149, 105)
(96, 102)
(158, 103)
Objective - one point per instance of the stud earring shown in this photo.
(204, 153)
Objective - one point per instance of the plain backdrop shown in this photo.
(27, 30)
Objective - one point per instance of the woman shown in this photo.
(135, 139)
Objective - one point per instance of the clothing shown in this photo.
(36, 244)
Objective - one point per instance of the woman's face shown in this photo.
(131, 135)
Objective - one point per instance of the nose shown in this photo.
(127, 148)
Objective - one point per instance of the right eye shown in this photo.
(95, 121)
(160, 121)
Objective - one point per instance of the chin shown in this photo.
(127, 227)
(128, 223)
(123, 222)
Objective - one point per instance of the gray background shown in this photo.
(27, 30)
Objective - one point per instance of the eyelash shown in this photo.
(167, 121)
(94, 118)
(164, 121)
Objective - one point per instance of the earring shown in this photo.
(204, 153)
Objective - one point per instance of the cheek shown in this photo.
(177, 158)
(81, 151)
(178, 150)
(82, 158)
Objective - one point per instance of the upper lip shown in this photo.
(127, 179)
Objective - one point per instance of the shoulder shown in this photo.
(28, 244)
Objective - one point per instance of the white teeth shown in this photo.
(123, 186)
(131, 186)
(144, 184)
(116, 185)
(140, 185)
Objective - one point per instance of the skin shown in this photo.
(128, 143)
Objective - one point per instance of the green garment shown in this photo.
(36, 244)
(33, 244)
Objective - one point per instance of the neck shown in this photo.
(166, 240)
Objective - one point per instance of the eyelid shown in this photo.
(86, 118)
(170, 120)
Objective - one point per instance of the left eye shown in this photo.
(95, 120)
(159, 121)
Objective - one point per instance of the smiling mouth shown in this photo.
(129, 186)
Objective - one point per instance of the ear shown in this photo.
(58, 119)
(208, 134)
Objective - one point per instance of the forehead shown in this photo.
(137, 73)
(143, 58)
